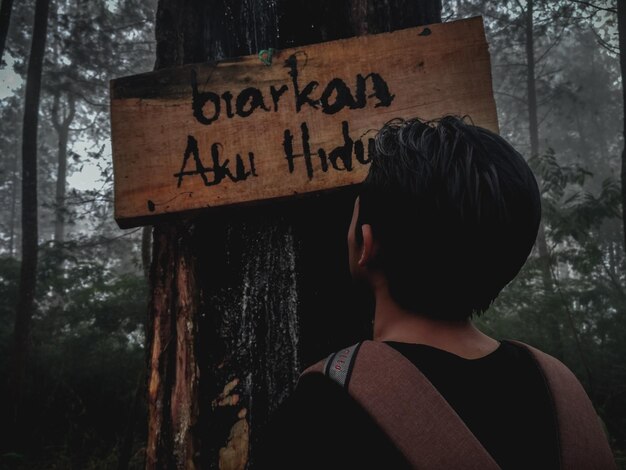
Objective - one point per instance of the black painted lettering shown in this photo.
(343, 97)
(290, 156)
(307, 149)
(251, 161)
(302, 97)
(192, 149)
(288, 147)
(200, 99)
(227, 96)
(380, 91)
(276, 94)
(252, 98)
(359, 151)
(343, 153)
(323, 159)
(220, 170)
(240, 170)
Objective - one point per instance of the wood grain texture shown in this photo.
(428, 71)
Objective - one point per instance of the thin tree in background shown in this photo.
(621, 27)
(533, 131)
(12, 216)
(62, 117)
(5, 20)
(28, 271)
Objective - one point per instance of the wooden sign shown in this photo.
(285, 122)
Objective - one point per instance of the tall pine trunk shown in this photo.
(243, 299)
(552, 322)
(28, 271)
(5, 21)
(621, 26)
(12, 221)
(62, 117)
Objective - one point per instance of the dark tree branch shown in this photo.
(605, 44)
(596, 7)
(551, 46)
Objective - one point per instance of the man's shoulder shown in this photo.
(553, 370)
(321, 426)
(583, 443)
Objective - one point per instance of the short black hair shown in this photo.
(456, 210)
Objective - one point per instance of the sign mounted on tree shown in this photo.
(285, 122)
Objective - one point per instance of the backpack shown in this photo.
(431, 435)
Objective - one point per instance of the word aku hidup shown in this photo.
(208, 107)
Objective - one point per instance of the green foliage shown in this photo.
(585, 303)
(86, 357)
(572, 304)
(9, 274)
(87, 337)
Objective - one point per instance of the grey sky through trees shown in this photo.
(88, 329)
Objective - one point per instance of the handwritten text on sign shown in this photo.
(236, 131)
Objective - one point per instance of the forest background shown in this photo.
(558, 86)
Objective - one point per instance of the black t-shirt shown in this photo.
(502, 398)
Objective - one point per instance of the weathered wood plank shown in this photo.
(207, 135)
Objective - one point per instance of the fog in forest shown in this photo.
(558, 89)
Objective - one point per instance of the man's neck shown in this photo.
(393, 323)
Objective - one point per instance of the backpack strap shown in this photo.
(421, 423)
(582, 441)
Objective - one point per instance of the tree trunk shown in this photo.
(146, 251)
(244, 298)
(5, 21)
(28, 271)
(533, 126)
(12, 222)
(621, 26)
(552, 323)
(61, 120)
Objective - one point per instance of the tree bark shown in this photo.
(242, 299)
(146, 251)
(28, 271)
(61, 120)
(621, 26)
(5, 21)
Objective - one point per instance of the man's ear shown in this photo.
(368, 246)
